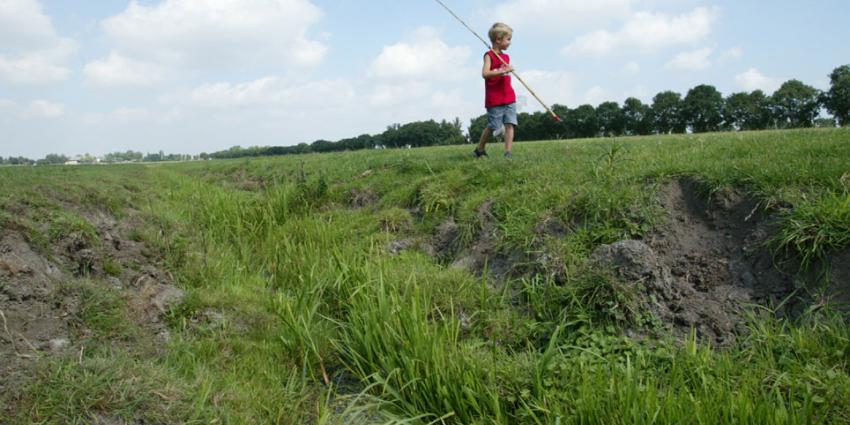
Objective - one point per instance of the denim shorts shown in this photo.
(498, 116)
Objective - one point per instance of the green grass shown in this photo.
(296, 311)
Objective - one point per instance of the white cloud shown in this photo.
(24, 26)
(416, 58)
(32, 69)
(31, 51)
(595, 95)
(597, 43)
(753, 79)
(647, 32)
(631, 68)
(733, 53)
(691, 61)
(117, 70)
(389, 95)
(559, 16)
(271, 91)
(639, 92)
(553, 86)
(220, 33)
(447, 100)
(44, 109)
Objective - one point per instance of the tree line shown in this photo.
(112, 158)
(415, 134)
(702, 109)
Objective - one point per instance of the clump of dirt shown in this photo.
(840, 277)
(40, 291)
(482, 254)
(705, 263)
(34, 313)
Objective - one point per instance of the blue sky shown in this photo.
(192, 76)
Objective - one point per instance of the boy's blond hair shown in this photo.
(499, 30)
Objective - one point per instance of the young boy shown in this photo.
(499, 96)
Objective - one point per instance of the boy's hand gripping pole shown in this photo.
(552, 113)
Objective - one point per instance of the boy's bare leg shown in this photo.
(485, 135)
(509, 137)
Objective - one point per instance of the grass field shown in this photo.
(423, 286)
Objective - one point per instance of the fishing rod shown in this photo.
(553, 114)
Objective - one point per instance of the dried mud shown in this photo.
(703, 269)
(40, 292)
(707, 265)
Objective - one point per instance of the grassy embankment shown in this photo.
(322, 324)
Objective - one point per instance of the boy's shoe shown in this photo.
(509, 155)
(479, 154)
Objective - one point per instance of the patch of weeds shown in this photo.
(112, 267)
(311, 194)
(103, 200)
(6, 219)
(814, 228)
(166, 240)
(435, 197)
(408, 165)
(612, 214)
(395, 220)
(135, 235)
(588, 297)
(105, 386)
(104, 311)
(605, 298)
(64, 224)
(134, 265)
(507, 327)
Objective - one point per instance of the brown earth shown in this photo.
(707, 265)
(703, 268)
(40, 292)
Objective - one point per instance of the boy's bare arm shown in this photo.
(486, 72)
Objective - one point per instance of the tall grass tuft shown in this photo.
(415, 363)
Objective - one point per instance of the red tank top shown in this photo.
(498, 90)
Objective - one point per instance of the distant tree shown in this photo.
(19, 161)
(611, 120)
(553, 129)
(582, 122)
(531, 127)
(837, 99)
(457, 124)
(737, 110)
(637, 117)
(763, 117)
(476, 126)
(747, 111)
(702, 109)
(160, 156)
(303, 148)
(667, 113)
(825, 122)
(795, 104)
(322, 146)
(54, 158)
